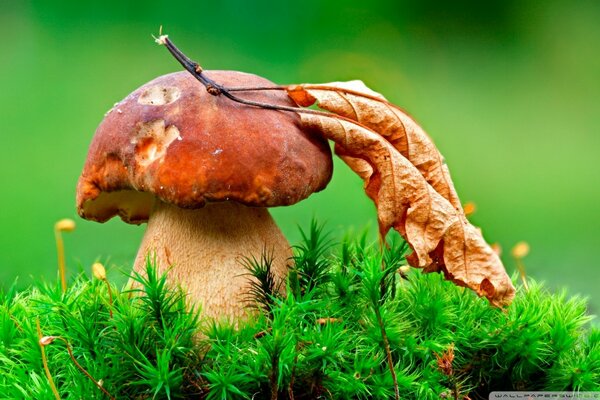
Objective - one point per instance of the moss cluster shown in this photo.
(350, 326)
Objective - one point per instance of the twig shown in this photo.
(388, 352)
(83, 369)
(46, 340)
(308, 86)
(217, 89)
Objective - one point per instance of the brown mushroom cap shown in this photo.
(172, 139)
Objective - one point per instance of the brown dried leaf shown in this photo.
(439, 234)
(445, 361)
(357, 102)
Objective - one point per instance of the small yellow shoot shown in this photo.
(519, 252)
(64, 225)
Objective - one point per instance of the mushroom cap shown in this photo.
(171, 139)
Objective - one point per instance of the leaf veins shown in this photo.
(357, 102)
(438, 232)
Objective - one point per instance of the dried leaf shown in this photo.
(439, 233)
(445, 360)
(357, 102)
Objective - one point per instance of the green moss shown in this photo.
(347, 315)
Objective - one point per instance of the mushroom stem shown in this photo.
(202, 250)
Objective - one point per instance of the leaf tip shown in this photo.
(498, 295)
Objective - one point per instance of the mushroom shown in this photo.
(202, 170)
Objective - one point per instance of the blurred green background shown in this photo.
(509, 91)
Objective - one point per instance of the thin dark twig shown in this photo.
(318, 86)
(388, 352)
(216, 89)
(257, 88)
(81, 368)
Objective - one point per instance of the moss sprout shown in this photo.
(353, 324)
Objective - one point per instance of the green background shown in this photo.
(508, 90)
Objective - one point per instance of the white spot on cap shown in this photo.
(159, 95)
(152, 141)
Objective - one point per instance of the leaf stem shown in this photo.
(308, 86)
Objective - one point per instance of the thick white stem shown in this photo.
(203, 249)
